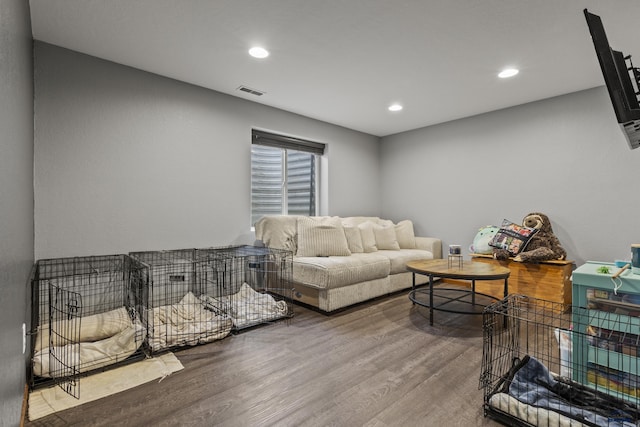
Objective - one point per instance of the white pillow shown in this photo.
(321, 237)
(405, 234)
(354, 239)
(368, 238)
(386, 237)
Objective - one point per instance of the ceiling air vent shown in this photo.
(251, 91)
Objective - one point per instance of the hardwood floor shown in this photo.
(375, 364)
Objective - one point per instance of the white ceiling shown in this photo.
(345, 61)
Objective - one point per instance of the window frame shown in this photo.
(288, 143)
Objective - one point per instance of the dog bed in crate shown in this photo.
(186, 323)
(247, 307)
(91, 342)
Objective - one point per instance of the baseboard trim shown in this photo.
(25, 402)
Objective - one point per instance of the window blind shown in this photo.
(283, 175)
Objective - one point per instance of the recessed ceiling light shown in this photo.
(258, 52)
(508, 72)
(395, 107)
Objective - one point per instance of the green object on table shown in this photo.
(603, 269)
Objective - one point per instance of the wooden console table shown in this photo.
(547, 280)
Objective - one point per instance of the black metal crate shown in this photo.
(546, 364)
(86, 315)
(176, 315)
(251, 284)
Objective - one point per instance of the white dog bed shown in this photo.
(59, 361)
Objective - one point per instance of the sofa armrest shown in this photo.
(431, 244)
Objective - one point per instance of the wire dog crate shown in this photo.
(544, 365)
(85, 315)
(175, 314)
(251, 283)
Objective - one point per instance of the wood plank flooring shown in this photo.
(375, 364)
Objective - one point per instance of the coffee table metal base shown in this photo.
(466, 299)
(451, 300)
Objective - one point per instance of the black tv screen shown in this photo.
(621, 80)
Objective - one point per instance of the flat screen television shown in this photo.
(622, 80)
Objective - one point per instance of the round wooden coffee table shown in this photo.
(451, 299)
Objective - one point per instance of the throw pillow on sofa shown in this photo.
(354, 239)
(368, 237)
(405, 234)
(386, 236)
(321, 237)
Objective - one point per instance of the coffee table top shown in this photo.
(470, 270)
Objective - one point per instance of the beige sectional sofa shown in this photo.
(338, 262)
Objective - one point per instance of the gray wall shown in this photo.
(16, 199)
(127, 160)
(563, 156)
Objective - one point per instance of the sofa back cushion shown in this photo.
(368, 237)
(354, 239)
(355, 221)
(405, 234)
(385, 234)
(281, 232)
(278, 231)
(321, 236)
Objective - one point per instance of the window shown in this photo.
(283, 175)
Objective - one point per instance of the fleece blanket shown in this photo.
(534, 385)
(186, 323)
(247, 307)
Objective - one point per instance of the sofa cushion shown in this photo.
(278, 231)
(405, 234)
(321, 236)
(355, 221)
(354, 239)
(368, 236)
(399, 259)
(386, 237)
(335, 272)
